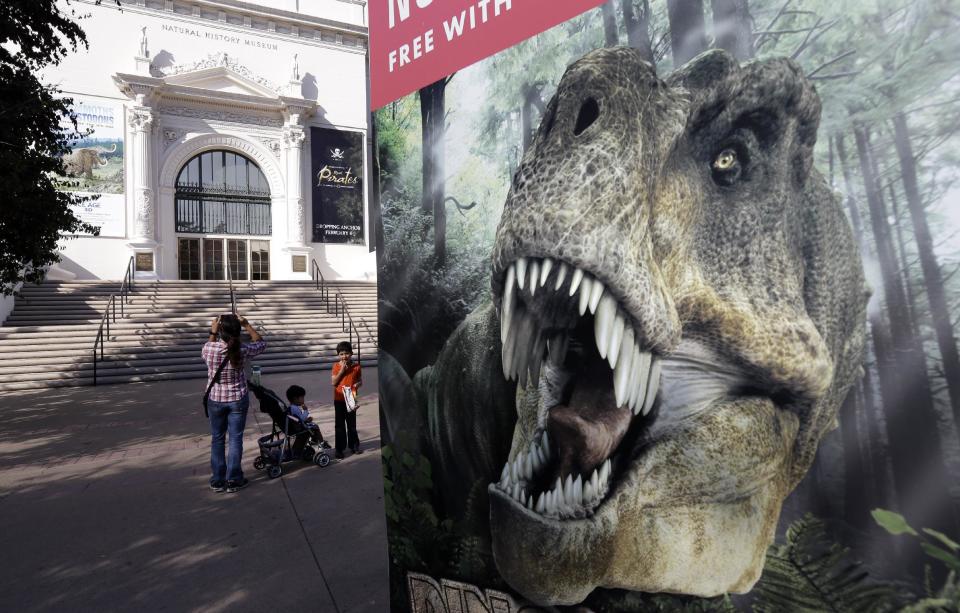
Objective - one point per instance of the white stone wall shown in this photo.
(329, 41)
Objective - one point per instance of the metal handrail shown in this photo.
(110, 312)
(344, 319)
(339, 306)
(321, 284)
(105, 320)
(126, 287)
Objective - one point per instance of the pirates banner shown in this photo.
(337, 179)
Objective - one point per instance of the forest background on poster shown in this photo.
(889, 78)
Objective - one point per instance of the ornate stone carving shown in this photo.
(215, 60)
(273, 145)
(293, 137)
(140, 119)
(171, 136)
(299, 226)
(182, 152)
(223, 116)
(145, 213)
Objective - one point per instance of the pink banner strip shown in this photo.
(416, 42)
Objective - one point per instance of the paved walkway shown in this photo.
(105, 507)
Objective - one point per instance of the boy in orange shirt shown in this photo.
(345, 373)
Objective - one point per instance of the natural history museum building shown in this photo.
(220, 136)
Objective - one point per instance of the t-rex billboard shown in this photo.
(676, 313)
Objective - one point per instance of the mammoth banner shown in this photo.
(337, 178)
(666, 315)
(95, 165)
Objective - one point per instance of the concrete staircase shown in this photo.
(48, 339)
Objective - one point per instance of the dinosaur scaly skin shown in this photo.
(661, 420)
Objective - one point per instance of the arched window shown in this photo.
(222, 192)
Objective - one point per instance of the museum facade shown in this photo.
(220, 137)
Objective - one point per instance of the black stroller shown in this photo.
(277, 447)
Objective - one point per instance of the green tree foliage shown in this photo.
(938, 546)
(34, 34)
(809, 573)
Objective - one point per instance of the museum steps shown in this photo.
(48, 339)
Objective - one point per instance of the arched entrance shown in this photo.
(222, 216)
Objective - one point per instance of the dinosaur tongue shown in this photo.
(588, 428)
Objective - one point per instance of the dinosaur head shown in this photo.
(681, 304)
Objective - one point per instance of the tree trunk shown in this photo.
(687, 32)
(877, 453)
(919, 471)
(610, 32)
(932, 277)
(855, 502)
(531, 101)
(638, 28)
(904, 265)
(732, 27)
(376, 218)
(432, 121)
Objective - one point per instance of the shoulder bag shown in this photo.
(216, 379)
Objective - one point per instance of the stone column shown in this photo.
(293, 137)
(141, 121)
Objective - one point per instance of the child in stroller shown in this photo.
(284, 441)
(297, 397)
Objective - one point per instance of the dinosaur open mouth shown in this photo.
(564, 333)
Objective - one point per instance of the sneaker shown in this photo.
(338, 455)
(218, 486)
(236, 486)
(357, 450)
(325, 445)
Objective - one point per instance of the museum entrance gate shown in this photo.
(222, 198)
(204, 258)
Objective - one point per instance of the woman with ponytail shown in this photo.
(226, 355)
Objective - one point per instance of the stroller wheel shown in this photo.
(274, 472)
(258, 463)
(321, 459)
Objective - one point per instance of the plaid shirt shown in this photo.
(233, 382)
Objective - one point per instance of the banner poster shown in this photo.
(666, 315)
(337, 171)
(95, 165)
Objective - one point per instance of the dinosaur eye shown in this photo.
(726, 167)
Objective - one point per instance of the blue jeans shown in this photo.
(227, 417)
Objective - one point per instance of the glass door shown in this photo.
(206, 258)
(260, 260)
(237, 252)
(213, 267)
(188, 256)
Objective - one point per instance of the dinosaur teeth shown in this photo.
(534, 280)
(545, 270)
(508, 305)
(575, 281)
(603, 323)
(561, 275)
(533, 329)
(525, 344)
(624, 368)
(652, 387)
(569, 497)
